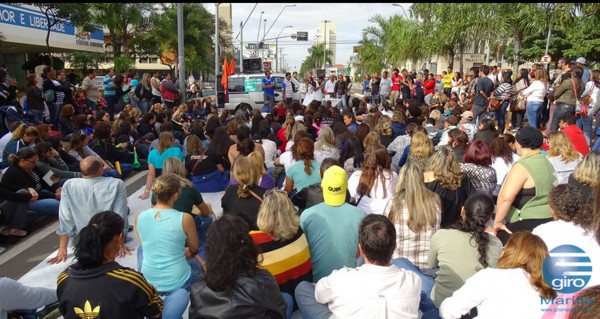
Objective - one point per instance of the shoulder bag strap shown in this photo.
(575, 89)
(255, 195)
(197, 162)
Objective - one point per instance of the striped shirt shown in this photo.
(288, 260)
(503, 91)
(410, 245)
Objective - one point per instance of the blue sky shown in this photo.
(350, 18)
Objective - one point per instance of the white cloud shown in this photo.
(350, 18)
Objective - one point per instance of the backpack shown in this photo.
(50, 96)
(294, 88)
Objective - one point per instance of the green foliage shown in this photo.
(84, 60)
(123, 63)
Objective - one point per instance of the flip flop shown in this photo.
(17, 232)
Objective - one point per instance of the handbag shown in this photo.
(518, 102)
(580, 107)
(208, 183)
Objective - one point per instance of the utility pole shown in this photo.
(217, 53)
(242, 48)
(180, 51)
(325, 46)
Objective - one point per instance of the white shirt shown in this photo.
(286, 160)
(330, 86)
(535, 92)
(3, 141)
(326, 152)
(497, 294)
(317, 94)
(371, 291)
(375, 204)
(560, 232)
(155, 91)
(270, 152)
(502, 168)
(563, 169)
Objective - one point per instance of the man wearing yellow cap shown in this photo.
(331, 227)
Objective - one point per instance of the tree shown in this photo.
(58, 13)
(315, 57)
(84, 60)
(124, 21)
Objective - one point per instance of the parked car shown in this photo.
(247, 88)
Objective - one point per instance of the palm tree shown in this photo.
(317, 56)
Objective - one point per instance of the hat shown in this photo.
(334, 185)
(467, 114)
(529, 137)
(299, 118)
(581, 60)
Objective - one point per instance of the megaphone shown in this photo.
(136, 163)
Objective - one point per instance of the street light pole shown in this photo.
(325, 46)
(258, 33)
(277, 46)
(180, 51)
(242, 48)
(401, 7)
(286, 6)
(217, 52)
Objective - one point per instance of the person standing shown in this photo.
(109, 92)
(366, 87)
(447, 81)
(169, 91)
(330, 86)
(341, 91)
(35, 98)
(268, 86)
(59, 92)
(288, 89)
(375, 88)
(396, 79)
(483, 91)
(297, 96)
(90, 89)
(535, 95)
(155, 84)
(565, 97)
(385, 87)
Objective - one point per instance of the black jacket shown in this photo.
(252, 297)
(107, 151)
(111, 289)
(35, 98)
(8, 94)
(16, 178)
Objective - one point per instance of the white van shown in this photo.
(247, 88)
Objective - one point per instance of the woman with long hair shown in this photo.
(168, 240)
(157, 157)
(143, 91)
(416, 213)
(279, 231)
(398, 124)
(520, 84)
(127, 292)
(67, 121)
(477, 166)
(523, 199)
(265, 180)
(371, 141)
(444, 177)
(420, 151)
(233, 284)
(198, 161)
(245, 198)
(352, 155)
(585, 175)
(518, 277)
(503, 159)
(372, 186)
(23, 136)
(50, 160)
(462, 250)
(486, 131)
(502, 94)
(244, 145)
(78, 148)
(562, 155)
(35, 98)
(325, 145)
(305, 171)
(220, 145)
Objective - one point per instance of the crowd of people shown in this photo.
(399, 203)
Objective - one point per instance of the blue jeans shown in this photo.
(584, 122)
(144, 105)
(202, 225)
(308, 305)
(39, 115)
(427, 282)
(343, 104)
(270, 99)
(289, 304)
(110, 105)
(45, 207)
(533, 111)
(501, 116)
(126, 169)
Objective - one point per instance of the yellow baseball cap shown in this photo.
(334, 185)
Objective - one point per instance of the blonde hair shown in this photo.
(259, 162)
(420, 146)
(244, 173)
(135, 113)
(527, 251)
(146, 81)
(561, 145)
(175, 165)
(588, 170)
(156, 107)
(180, 112)
(436, 115)
(325, 139)
(276, 216)
(297, 127)
(540, 74)
(370, 141)
(445, 168)
(384, 126)
(422, 204)
(166, 186)
(22, 130)
(165, 140)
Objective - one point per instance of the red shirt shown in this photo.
(281, 135)
(396, 82)
(576, 136)
(429, 86)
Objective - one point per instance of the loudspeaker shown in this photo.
(252, 65)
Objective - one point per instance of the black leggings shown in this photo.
(522, 225)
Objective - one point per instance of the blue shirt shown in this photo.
(164, 264)
(159, 159)
(332, 234)
(301, 179)
(108, 89)
(270, 81)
